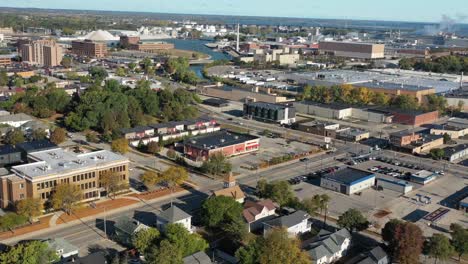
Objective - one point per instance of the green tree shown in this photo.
(144, 239)
(165, 253)
(217, 164)
(34, 252)
(120, 72)
(389, 233)
(30, 207)
(58, 136)
(39, 134)
(459, 239)
(447, 138)
(352, 220)
(12, 220)
(275, 248)
(66, 62)
(112, 183)
(14, 136)
(120, 145)
(153, 148)
(185, 242)
(437, 153)
(438, 247)
(150, 178)
(3, 78)
(405, 102)
(98, 73)
(219, 210)
(66, 197)
(174, 176)
(278, 191)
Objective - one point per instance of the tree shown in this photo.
(66, 62)
(447, 138)
(14, 136)
(174, 175)
(34, 252)
(171, 154)
(389, 231)
(438, 247)
(409, 243)
(278, 191)
(58, 135)
(219, 210)
(12, 220)
(120, 145)
(276, 248)
(144, 238)
(153, 148)
(217, 164)
(66, 197)
(166, 253)
(459, 239)
(112, 183)
(150, 178)
(3, 78)
(39, 134)
(98, 73)
(437, 153)
(352, 220)
(187, 243)
(30, 207)
(92, 137)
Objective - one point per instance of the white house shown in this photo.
(295, 223)
(15, 120)
(328, 247)
(255, 213)
(174, 215)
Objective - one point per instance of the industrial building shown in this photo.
(348, 181)
(399, 186)
(88, 48)
(454, 127)
(358, 50)
(151, 47)
(423, 177)
(49, 168)
(456, 153)
(241, 95)
(267, 112)
(200, 148)
(415, 142)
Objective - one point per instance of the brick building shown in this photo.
(126, 41)
(88, 48)
(414, 118)
(200, 148)
(52, 167)
(151, 47)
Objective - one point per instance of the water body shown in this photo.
(199, 46)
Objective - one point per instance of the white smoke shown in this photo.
(448, 24)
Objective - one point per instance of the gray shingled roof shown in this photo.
(173, 214)
(197, 258)
(289, 220)
(328, 245)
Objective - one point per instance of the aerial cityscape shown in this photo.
(233, 132)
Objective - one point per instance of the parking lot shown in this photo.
(270, 148)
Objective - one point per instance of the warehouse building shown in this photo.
(359, 50)
(275, 113)
(348, 181)
(423, 177)
(456, 153)
(399, 186)
(200, 148)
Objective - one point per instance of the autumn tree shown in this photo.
(30, 207)
(120, 145)
(409, 243)
(58, 135)
(275, 248)
(153, 148)
(66, 197)
(112, 183)
(278, 191)
(174, 176)
(150, 178)
(352, 220)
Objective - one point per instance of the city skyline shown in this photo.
(332, 9)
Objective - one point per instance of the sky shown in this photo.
(393, 10)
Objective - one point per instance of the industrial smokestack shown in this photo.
(238, 33)
(461, 80)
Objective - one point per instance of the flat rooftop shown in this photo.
(268, 105)
(218, 139)
(54, 162)
(348, 176)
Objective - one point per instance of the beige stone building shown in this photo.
(359, 50)
(44, 52)
(49, 168)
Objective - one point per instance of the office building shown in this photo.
(275, 113)
(358, 50)
(348, 181)
(5, 60)
(43, 52)
(88, 48)
(126, 41)
(228, 143)
(151, 47)
(49, 168)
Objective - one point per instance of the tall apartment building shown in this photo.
(359, 50)
(53, 167)
(88, 48)
(44, 52)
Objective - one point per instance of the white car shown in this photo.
(374, 169)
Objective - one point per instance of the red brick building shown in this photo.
(126, 41)
(200, 148)
(415, 118)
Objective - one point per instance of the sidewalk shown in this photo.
(62, 220)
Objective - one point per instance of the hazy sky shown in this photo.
(402, 10)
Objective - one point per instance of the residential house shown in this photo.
(15, 120)
(197, 258)
(231, 189)
(63, 248)
(174, 215)
(125, 227)
(296, 223)
(256, 212)
(376, 256)
(329, 247)
(93, 258)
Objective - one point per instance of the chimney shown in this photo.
(237, 43)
